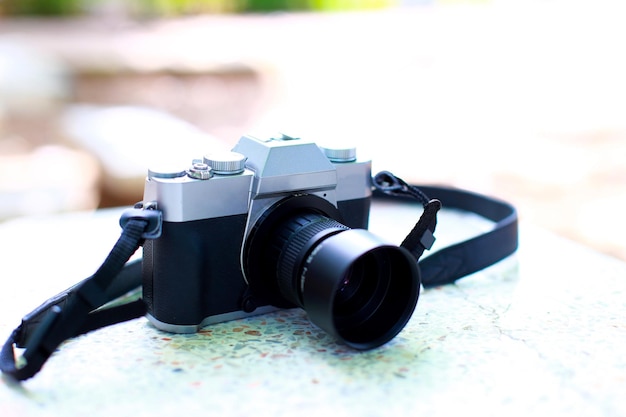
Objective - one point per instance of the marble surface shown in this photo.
(539, 333)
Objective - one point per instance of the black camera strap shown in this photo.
(79, 309)
(464, 258)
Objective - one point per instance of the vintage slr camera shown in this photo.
(279, 222)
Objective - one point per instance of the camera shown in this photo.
(278, 222)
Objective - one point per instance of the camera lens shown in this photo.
(352, 284)
(358, 288)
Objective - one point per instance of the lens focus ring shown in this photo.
(295, 239)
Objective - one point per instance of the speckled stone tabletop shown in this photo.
(540, 333)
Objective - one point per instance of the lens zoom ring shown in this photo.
(295, 247)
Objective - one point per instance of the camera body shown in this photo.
(201, 270)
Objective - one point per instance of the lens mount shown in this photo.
(260, 254)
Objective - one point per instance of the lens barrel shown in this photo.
(355, 286)
(352, 285)
(294, 239)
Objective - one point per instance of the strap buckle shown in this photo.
(148, 212)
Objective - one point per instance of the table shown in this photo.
(540, 333)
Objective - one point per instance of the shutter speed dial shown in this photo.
(226, 163)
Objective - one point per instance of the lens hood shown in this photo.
(360, 289)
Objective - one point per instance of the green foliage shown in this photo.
(41, 7)
(184, 7)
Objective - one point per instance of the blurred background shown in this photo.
(524, 100)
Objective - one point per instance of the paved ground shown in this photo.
(526, 102)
